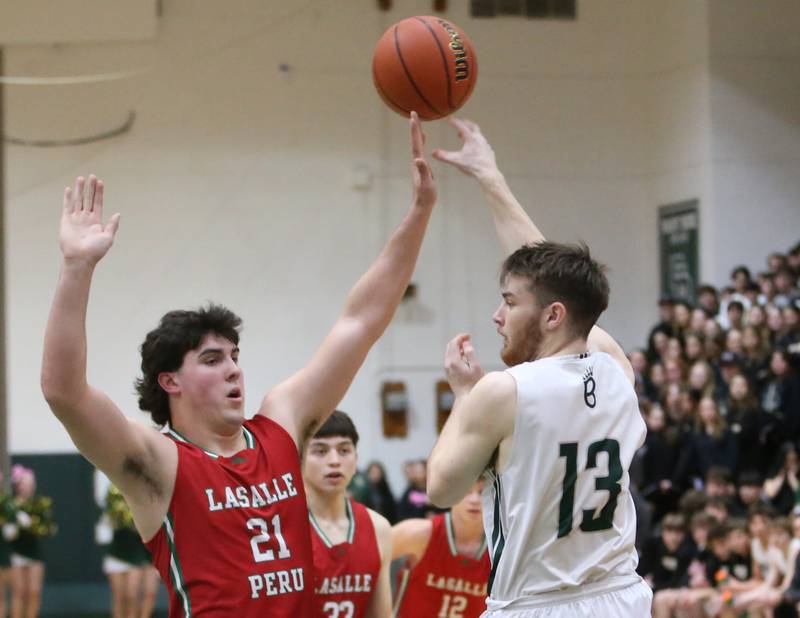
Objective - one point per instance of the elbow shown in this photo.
(59, 396)
(440, 491)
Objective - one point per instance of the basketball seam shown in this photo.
(386, 94)
(444, 61)
(408, 75)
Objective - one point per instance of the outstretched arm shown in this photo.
(513, 225)
(476, 159)
(304, 401)
(97, 427)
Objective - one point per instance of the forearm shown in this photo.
(513, 225)
(442, 469)
(377, 293)
(64, 360)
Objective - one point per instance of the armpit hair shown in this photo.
(135, 467)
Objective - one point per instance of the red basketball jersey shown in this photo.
(236, 539)
(345, 575)
(444, 584)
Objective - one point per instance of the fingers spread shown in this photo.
(88, 196)
(443, 155)
(98, 196)
(68, 205)
(113, 225)
(77, 194)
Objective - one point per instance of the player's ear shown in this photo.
(167, 380)
(555, 315)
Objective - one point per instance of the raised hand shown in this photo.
(476, 157)
(424, 186)
(83, 237)
(461, 364)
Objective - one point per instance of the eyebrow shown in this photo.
(209, 351)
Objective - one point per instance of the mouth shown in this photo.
(235, 394)
(334, 477)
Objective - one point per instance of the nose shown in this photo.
(233, 370)
(497, 316)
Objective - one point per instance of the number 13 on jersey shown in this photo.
(609, 483)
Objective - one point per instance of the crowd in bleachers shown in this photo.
(717, 482)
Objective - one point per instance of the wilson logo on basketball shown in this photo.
(459, 53)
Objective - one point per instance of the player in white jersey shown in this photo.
(555, 432)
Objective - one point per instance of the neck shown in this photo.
(326, 506)
(224, 442)
(467, 529)
(562, 346)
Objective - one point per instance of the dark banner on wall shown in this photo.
(679, 247)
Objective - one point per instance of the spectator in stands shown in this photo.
(710, 444)
(774, 324)
(755, 354)
(782, 486)
(785, 291)
(694, 348)
(414, 502)
(674, 370)
(758, 521)
(776, 261)
(780, 395)
(681, 313)
(659, 456)
(674, 349)
(728, 366)
(656, 383)
(790, 334)
(769, 593)
(734, 315)
(749, 492)
(665, 558)
(662, 328)
(767, 289)
(707, 299)
(380, 494)
(701, 379)
(793, 259)
(744, 419)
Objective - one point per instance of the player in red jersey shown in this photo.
(219, 500)
(352, 544)
(448, 565)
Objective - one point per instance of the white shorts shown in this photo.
(18, 560)
(113, 565)
(630, 602)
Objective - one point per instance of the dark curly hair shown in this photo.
(564, 273)
(164, 348)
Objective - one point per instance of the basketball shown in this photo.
(425, 64)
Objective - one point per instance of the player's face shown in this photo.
(471, 506)
(329, 464)
(517, 320)
(211, 381)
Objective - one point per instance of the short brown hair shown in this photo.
(563, 273)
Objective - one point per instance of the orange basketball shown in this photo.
(424, 64)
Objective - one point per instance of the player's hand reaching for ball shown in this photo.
(424, 186)
(476, 157)
(461, 364)
(83, 237)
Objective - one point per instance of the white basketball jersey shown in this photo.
(560, 518)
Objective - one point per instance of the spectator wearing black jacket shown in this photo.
(710, 444)
(665, 558)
